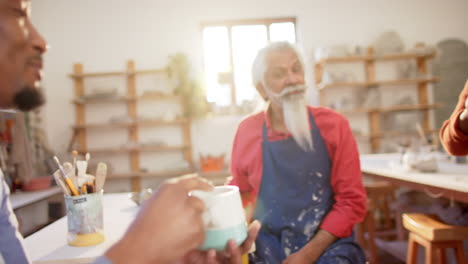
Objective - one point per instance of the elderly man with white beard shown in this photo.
(298, 168)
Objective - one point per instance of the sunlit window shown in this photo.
(229, 50)
(217, 60)
(283, 31)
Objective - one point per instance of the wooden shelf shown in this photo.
(98, 74)
(388, 57)
(165, 174)
(120, 99)
(216, 176)
(162, 122)
(126, 99)
(148, 123)
(150, 71)
(374, 115)
(400, 133)
(393, 134)
(130, 99)
(159, 97)
(398, 108)
(117, 73)
(157, 148)
(395, 108)
(405, 56)
(124, 149)
(378, 83)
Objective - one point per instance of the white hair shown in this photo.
(260, 66)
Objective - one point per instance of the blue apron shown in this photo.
(295, 196)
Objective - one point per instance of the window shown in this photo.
(229, 50)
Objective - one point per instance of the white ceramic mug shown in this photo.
(224, 217)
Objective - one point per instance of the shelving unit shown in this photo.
(369, 61)
(131, 100)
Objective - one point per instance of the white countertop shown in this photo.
(450, 176)
(50, 243)
(21, 199)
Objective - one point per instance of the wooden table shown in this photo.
(451, 181)
(49, 245)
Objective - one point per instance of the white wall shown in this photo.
(104, 34)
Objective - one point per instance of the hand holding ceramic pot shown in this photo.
(168, 226)
(224, 217)
(463, 123)
(231, 255)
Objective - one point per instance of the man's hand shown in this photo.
(463, 122)
(299, 257)
(312, 250)
(168, 226)
(233, 253)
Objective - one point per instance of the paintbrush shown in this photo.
(75, 156)
(87, 157)
(67, 180)
(60, 183)
(70, 171)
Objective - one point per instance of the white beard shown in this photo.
(296, 118)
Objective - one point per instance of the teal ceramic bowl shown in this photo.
(218, 238)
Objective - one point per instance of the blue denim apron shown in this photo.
(295, 196)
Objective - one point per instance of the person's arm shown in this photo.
(238, 170)
(346, 180)
(11, 241)
(350, 198)
(312, 250)
(454, 131)
(463, 119)
(168, 226)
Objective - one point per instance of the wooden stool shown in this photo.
(365, 234)
(382, 195)
(434, 236)
(382, 223)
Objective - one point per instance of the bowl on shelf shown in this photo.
(36, 184)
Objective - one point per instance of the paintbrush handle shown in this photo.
(71, 186)
(84, 190)
(101, 173)
(60, 183)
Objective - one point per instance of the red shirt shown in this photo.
(346, 178)
(453, 139)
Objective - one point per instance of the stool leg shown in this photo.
(460, 253)
(371, 242)
(430, 250)
(399, 225)
(360, 234)
(442, 256)
(412, 255)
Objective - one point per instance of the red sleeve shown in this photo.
(453, 139)
(246, 161)
(239, 173)
(346, 181)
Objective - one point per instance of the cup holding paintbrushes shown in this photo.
(83, 204)
(85, 219)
